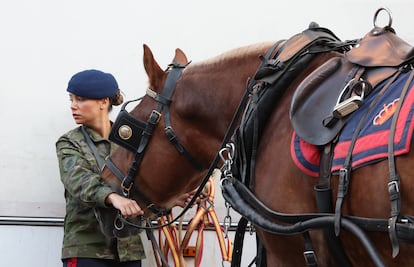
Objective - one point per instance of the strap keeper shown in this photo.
(158, 97)
(393, 187)
(310, 258)
(126, 186)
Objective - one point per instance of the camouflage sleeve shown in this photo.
(79, 177)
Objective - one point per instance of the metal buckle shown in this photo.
(310, 258)
(125, 189)
(393, 184)
(156, 113)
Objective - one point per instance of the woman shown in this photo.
(81, 153)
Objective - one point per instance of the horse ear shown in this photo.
(154, 72)
(180, 57)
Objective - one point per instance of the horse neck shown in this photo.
(209, 93)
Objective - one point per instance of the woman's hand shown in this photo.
(129, 208)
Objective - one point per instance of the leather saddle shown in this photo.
(324, 99)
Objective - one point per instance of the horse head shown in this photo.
(160, 184)
(192, 111)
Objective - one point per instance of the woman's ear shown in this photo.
(104, 103)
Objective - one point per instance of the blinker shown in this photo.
(127, 130)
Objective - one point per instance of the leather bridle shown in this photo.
(134, 135)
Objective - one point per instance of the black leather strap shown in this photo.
(309, 253)
(324, 203)
(93, 148)
(344, 175)
(238, 242)
(394, 184)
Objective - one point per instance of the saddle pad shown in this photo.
(372, 143)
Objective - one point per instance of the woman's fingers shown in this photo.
(129, 208)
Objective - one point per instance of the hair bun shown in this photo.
(117, 99)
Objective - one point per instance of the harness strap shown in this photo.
(238, 242)
(128, 180)
(164, 101)
(232, 196)
(309, 253)
(169, 132)
(323, 193)
(173, 138)
(175, 72)
(344, 174)
(394, 184)
(149, 205)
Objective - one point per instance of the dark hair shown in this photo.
(116, 100)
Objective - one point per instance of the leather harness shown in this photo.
(237, 191)
(278, 68)
(138, 135)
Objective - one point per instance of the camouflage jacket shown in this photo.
(79, 173)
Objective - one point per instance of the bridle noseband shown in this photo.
(134, 135)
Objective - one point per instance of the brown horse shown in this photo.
(201, 108)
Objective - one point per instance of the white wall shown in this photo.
(44, 42)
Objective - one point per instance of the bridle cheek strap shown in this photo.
(128, 180)
(163, 100)
(157, 210)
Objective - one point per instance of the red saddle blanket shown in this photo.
(372, 143)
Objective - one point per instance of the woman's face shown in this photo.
(84, 110)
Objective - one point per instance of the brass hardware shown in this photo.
(125, 132)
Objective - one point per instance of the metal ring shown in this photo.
(389, 16)
(120, 225)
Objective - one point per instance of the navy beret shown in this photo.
(93, 84)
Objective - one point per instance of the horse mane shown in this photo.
(243, 51)
(202, 106)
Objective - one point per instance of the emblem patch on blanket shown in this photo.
(372, 143)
